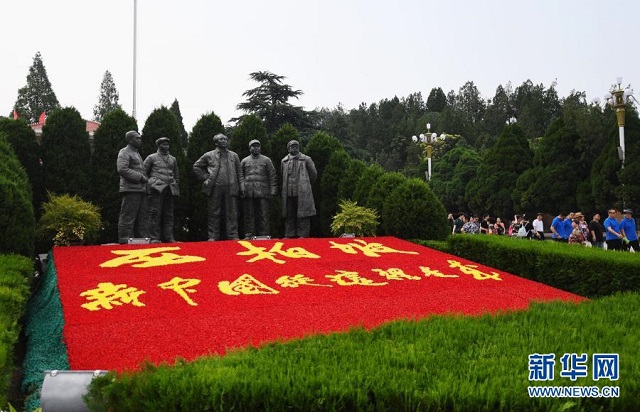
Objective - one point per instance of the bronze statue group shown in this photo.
(148, 189)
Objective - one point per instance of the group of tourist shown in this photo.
(566, 227)
(148, 189)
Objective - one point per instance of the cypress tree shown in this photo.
(37, 96)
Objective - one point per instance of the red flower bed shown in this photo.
(124, 304)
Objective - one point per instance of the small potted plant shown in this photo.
(68, 220)
(354, 220)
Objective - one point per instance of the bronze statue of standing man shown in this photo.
(219, 169)
(258, 177)
(133, 221)
(162, 169)
(298, 173)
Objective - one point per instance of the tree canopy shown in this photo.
(37, 96)
(108, 99)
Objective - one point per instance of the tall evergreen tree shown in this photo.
(23, 140)
(270, 102)
(250, 127)
(437, 100)
(37, 96)
(333, 174)
(109, 139)
(162, 123)
(66, 155)
(184, 136)
(108, 99)
(200, 142)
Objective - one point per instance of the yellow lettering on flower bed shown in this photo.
(368, 249)
(107, 294)
(435, 272)
(473, 271)
(262, 253)
(395, 274)
(345, 278)
(181, 287)
(141, 258)
(297, 280)
(245, 285)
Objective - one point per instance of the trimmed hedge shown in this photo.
(16, 273)
(589, 272)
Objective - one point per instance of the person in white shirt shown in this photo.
(538, 227)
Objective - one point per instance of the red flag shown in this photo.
(42, 118)
(15, 114)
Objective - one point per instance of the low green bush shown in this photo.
(451, 362)
(67, 220)
(589, 272)
(16, 273)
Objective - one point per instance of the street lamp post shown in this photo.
(618, 98)
(427, 139)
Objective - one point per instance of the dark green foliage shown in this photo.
(329, 184)
(350, 178)
(200, 142)
(108, 99)
(412, 211)
(250, 127)
(379, 192)
(589, 272)
(162, 123)
(37, 96)
(16, 274)
(494, 185)
(320, 148)
(17, 220)
(184, 136)
(451, 174)
(24, 144)
(66, 154)
(437, 100)
(366, 182)
(441, 363)
(108, 140)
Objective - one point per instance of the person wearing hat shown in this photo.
(133, 221)
(219, 169)
(162, 169)
(258, 177)
(628, 230)
(298, 173)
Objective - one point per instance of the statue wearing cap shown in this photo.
(219, 169)
(258, 179)
(133, 221)
(162, 169)
(298, 173)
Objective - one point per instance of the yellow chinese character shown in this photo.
(141, 258)
(368, 249)
(395, 274)
(345, 278)
(262, 253)
(295, 281)
(108, 294)
(435, 272)
(245, 285)
(472, 270)
(181, 287)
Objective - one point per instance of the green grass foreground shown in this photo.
(449, 362)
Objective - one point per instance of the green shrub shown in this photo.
(355, 219)
(412, 211)
(381, 189)
(17, 220)
(68, 220)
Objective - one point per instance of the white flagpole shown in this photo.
(135, 47)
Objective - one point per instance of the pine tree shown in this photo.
(184, 136)
(37, 96)
(108, 100)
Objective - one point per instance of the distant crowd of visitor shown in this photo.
(612, 234)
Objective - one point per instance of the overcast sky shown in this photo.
(336, 51)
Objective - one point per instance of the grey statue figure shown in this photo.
(162, 169)
(258, 177)
(133, 221)
(298, 173)
(219, 169)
